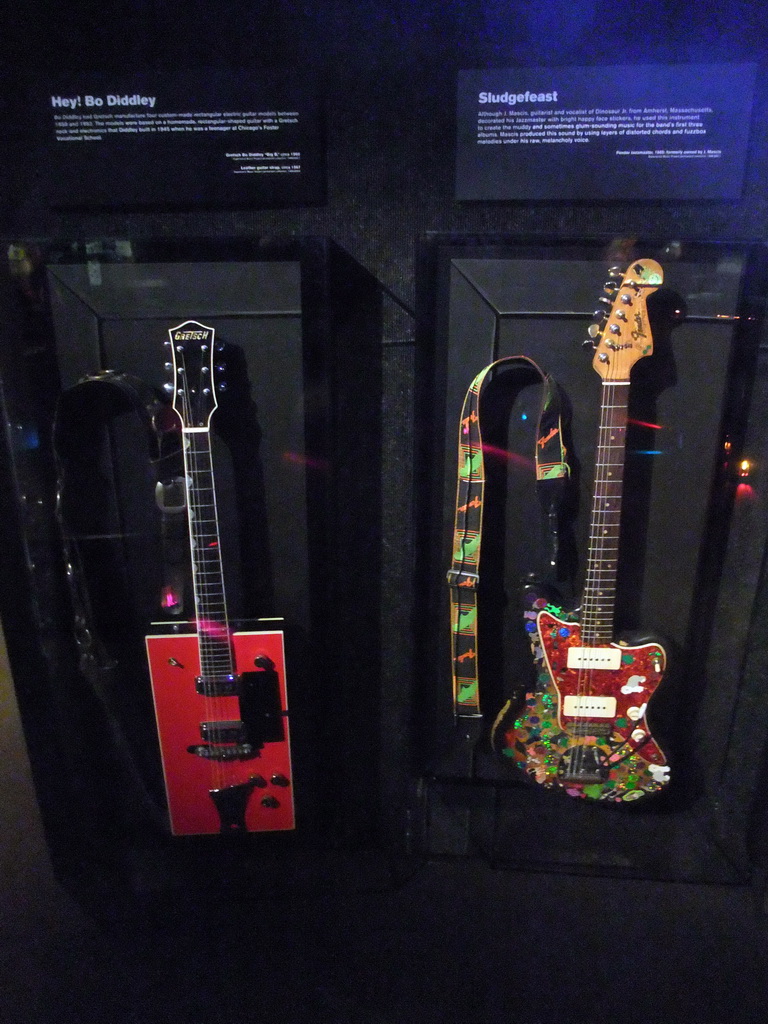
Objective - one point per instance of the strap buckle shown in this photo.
(463, 578)
(171, 495)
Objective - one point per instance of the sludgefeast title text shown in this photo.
(512, 98)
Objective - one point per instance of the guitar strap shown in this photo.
(84, 415)
(552, 470)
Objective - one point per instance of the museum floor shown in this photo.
(359, 944)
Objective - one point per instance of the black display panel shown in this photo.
(635, 132)
(200, 138)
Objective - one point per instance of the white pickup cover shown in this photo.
(589, 707)
(594, 657)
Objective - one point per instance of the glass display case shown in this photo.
(94, 554)
(689, 558)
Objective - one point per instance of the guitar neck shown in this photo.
(216, 657)
(599, 596)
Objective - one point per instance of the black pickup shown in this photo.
(218, 686)
(224, 732)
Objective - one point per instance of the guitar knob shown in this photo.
(258, 780)
(270, 801)
(279, 780)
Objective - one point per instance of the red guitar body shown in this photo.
(219, 779)
(583, 728)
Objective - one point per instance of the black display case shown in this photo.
(296, 449)
(692, 544)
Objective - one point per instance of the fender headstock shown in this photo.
(620, 333)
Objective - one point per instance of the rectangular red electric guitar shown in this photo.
(220, 696)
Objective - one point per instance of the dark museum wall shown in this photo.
(387, 71)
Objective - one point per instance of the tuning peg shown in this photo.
(594, 330)
(616, 272)
(589, 343)
(605, 301)
(611, 287)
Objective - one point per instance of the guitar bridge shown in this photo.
(224, 752)
(584, 765)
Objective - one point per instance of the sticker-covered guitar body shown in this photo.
(583, 727)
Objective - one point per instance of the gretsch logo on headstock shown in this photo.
(182, 335)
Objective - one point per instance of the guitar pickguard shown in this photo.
(208, 792)
(583, 729)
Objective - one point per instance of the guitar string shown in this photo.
(590, 601)
(182, 377)
(218, 652)
(618, 407)
(599, 539)
(208, 615)
(218, 658)
(576, 761)
(603, 536)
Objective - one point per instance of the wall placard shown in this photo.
(192, 138)
(632, 132)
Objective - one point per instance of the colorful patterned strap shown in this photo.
(463, 577)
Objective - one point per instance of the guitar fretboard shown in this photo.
(207, 575)
(599, 597)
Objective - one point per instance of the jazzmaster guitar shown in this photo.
(220, 696)
(583, 728)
